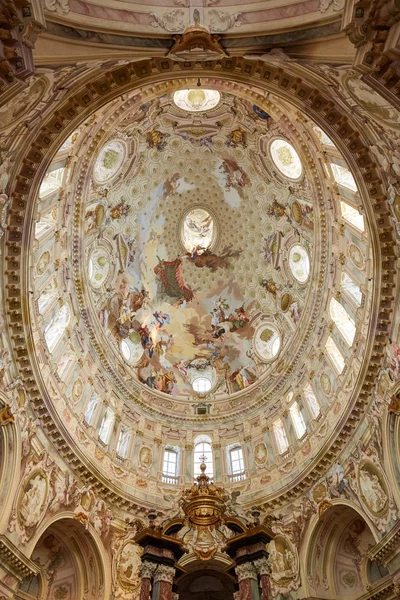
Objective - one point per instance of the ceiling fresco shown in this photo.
(198, 260)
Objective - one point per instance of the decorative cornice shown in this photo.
(15, 562)
(387, 546)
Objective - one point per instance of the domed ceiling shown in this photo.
(211, 276)
(198, 256)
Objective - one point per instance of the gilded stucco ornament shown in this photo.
(6, 416)
(33, 497)
(196, 43)
(204, 506)
(126, 565)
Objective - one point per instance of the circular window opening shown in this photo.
(198, 231)
(126, 352)
(197, 100)
(299, 263)
(131, 348)
(267, 342)
(286, 159)
(201, 385)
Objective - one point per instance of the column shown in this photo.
(263, 569)
(250, 454)
(217, 462)
(188, 464)
(248, 583)
(163, 580)
(147, 569)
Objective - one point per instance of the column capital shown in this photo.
(246, 571)
(164, 573)
(262, 566)
(147, 569)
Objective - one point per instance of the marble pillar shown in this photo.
(263, 569)
(248, 581)
(163, 580)
(147, 570)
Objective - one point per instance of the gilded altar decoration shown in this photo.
(204, 507)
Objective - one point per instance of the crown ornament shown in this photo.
(204, 502)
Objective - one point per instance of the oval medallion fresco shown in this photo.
(109, 161)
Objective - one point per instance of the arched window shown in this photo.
(56, 327)
(203, 451)
(351, 215)
(280, 436)
(106, 426)
(170, 466)
(342, 320)
(312, 401)
(334, 354)
(351, 288)
(124, 439)
(91, 409)
(343, 176)
(297, 420)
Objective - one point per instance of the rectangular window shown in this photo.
(106, 426)
(123, 442)
(280, 436)
(170, 463)
(51, 182)
(298, 420)
(334, 354)
(312, 401)
(351, 288)
(237, 462)
(351, 215)
(343, 176)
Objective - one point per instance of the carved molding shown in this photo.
(14, 561)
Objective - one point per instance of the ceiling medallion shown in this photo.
(196, 44)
